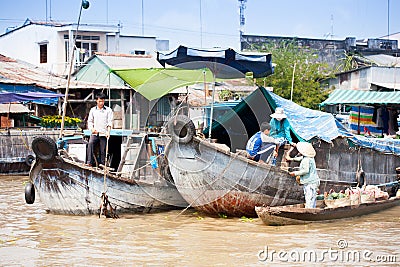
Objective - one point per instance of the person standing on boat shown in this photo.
(308, 172)
(260, 146)
(280, 130)
(99, 123)
(280, 127)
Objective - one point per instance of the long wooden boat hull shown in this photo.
(68, 187)
(284, 215)
(16, 165)
(214, 180)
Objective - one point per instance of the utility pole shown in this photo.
(242, 7)
(142, 18)
(201, 26)
(388, 15)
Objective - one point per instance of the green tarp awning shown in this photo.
(154, 83)
(358, 97)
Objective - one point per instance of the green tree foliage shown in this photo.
(308, 72)
(347, 62)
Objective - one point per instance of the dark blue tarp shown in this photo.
(9, 97)
(224, 63)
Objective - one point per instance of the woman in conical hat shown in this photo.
(307, 172)
(280, 127)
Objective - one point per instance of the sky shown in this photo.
(216, 23)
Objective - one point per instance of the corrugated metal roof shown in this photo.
(14, 108)
(358, 97)
(384, 60)
(124, 61)
(388, 85)
(18, 72)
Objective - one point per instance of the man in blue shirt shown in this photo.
(260, 146)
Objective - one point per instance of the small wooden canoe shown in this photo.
(297, 214)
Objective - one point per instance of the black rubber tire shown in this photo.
(181, 128)
(29, 193)
(44, 147)
(29, 160)
(360, 176)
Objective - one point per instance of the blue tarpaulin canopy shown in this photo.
(243, 120)
(9, 97)
(307, 123)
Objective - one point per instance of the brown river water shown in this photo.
(31, 237)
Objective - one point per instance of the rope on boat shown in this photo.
(105, 206)
(23, 140)
(106, 164)
(360, 175)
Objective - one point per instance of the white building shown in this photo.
(47, 44)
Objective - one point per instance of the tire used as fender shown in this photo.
(29, 193)
(181, 128)
(44, 147)
(360, 176)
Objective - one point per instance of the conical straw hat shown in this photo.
(306, 149)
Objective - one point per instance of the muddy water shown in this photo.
(31, 237)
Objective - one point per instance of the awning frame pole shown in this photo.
(212, 105)
(69, 76)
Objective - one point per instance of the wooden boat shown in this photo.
(217, 178)
(214, 180)
(136, 182)
(16, 155)
(297, 214)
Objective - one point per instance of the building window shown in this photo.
(84, 37)
(86, 50)
(86, 46)
(138, 52)
(43, 53)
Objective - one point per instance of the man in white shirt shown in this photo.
(99, 123)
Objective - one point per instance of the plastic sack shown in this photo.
(354, 195)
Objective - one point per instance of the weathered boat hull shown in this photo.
(216, 181)
(16, 165)
(15, 152)
(296, 215)
(67, 187)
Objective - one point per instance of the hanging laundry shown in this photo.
(360, 120)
